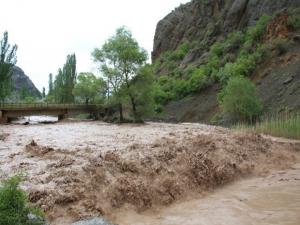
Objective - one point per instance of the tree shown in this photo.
(88, 87)
(50, 91)
(65, 81)
(44, 92)
(140, 93)
(69, 75)
(24, 92)
(120, 59)
(240, 99)
(8, 59)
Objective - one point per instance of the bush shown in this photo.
(14, 206)
(179, 53)
(216, 50)
(198, 80)
(294, 22)
(233, 41)
(281, 45)
(239, 98)
(256, 32)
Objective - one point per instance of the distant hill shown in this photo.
(20, 79)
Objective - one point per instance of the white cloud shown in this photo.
(46, 31)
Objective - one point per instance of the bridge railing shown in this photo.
(46, 105)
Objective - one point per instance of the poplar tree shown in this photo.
(65, 81)
(50, 84)
(8, 59)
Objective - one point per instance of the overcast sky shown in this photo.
(46, 31)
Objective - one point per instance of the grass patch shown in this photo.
(285, 125)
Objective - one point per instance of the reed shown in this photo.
(280, 125)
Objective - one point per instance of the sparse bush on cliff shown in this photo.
(14, 206)
(294, 19)
(281, 45)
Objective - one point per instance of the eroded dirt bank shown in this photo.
(77, 170)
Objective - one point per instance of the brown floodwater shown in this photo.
(67, 169)
(274, 199)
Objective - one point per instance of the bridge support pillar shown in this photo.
(62, 116)
(3, 117)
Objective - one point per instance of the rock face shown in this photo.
(205, 21)
(202, 23)
(20, 79)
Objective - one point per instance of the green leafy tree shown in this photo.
(14, 206)
(8, 59)
(50, 85)
(25, 93)
(69, 75)
(120, 59)
(88, 87)
(65, 81)
(140, 93)
(240, 99)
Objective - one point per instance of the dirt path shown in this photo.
(270, 200)
(85, 169)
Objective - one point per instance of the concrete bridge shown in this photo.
(9, 111)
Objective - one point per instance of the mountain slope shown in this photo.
(20, 80)
(200, 24)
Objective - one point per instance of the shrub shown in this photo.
(216, 50)
(239, 98)
(198, 80)
(281, 45)
(180, 52)
(233, 41)
(256, 32)
(294, 22)
(14, 206)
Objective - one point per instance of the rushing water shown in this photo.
(270, 200)
(35, 120)
(274, 199)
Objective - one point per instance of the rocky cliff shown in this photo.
(205, 21)
(20, 80)
(201, 23)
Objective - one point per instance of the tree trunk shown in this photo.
(133, 105)
(121, 112)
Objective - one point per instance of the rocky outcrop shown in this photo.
(204, 21)
(20, 79)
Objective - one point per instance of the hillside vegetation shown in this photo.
(193, 75)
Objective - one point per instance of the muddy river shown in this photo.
(154, 173)
(270, 200)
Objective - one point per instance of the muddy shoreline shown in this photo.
(77, 170)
